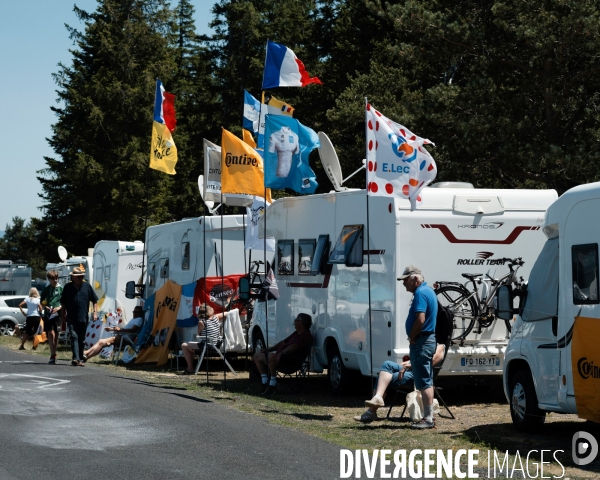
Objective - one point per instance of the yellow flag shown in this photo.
(163, 152)
(247, 137)
(242, 168)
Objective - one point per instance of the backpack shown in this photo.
(444, 324)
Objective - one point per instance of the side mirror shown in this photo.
(244, 288)
(130, 290)
(505, 302)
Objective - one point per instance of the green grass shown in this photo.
(483, 419)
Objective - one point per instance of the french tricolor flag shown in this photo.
(284, 69)
(164, 107)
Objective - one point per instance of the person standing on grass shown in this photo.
(34, 310)
(50, 298)
(420, 328)
(75, 299)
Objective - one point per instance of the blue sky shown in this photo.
(35, 40)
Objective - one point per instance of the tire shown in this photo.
(462, 306)
(258, 341)
(7, 328)
(337, 373)
(526, 415)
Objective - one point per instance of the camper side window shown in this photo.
(185, 256)
(306, 253)
(164, 268)
(585, 273)
(349, 247)
(285, 257)
(152, 275)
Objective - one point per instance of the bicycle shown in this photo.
(468, 306)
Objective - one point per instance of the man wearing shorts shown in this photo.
(420, 328)
(50, 298)
(129, 331)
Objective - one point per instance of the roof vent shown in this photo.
(452, 185)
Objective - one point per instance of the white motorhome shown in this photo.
(65, 268)
(114, 264)
(15, 279)
(539, 372)
(189, 249)
(453, 231)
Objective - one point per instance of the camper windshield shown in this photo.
(542, 288)
(349, 247)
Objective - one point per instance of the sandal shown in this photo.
(187, 372)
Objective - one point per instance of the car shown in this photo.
(10, 315)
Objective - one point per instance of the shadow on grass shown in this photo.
(149, 384)
(503, 437)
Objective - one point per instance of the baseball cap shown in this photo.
(408, 271)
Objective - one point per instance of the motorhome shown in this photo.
(335, 263)
(15, 279)
(552, 359)
(66, 266)
(114, 264)
(188, 250)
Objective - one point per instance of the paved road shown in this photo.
(63, 422)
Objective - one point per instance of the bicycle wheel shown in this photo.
(462, 306)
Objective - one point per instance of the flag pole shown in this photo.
(204, 276)
(266, 272)
(223, 298)
(368, 252)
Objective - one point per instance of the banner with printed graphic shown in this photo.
(585, 361)
(253, 236)
(212, 171)
(185, 314)
(164, 319)
(398, 165)
(287, 147)
(110, 314)
(216, 291)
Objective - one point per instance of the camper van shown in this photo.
(189, 249)
(15, 279)
(65, 268)
(114, 264)
(551, 362)
(335, 263)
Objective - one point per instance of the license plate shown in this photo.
(480, 362)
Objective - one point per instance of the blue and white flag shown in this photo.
(251, 113)
(287, 146)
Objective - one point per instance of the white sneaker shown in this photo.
(376, 402)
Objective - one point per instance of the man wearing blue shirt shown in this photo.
(420, 328)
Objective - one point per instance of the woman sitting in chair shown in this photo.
(394, 375)
(209, 327)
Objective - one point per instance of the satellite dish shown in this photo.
(330, 162)
(62, 253)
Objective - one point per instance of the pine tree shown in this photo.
(99, 186)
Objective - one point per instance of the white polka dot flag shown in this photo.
(397, 163)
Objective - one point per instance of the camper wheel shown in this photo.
(526, 415)
(258, 341)
(337, 373)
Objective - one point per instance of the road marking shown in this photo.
(44, 383)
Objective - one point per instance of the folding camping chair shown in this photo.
(205, 343)
(293, 370)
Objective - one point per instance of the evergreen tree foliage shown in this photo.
(20, 244)
(99, 185)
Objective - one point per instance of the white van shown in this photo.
(116, 263)
(539, 372)
(453, 231)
